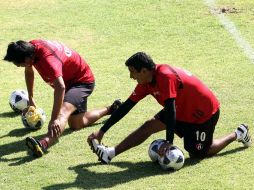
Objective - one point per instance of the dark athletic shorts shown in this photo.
(197, 137)
(77, 95)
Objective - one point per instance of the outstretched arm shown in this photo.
(115, 117)
(29, 77)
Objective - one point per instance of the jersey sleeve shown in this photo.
(139, 93)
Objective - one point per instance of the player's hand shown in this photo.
(95, 135)
(164, 147)
(32, 102)
(54, 128)
(24, 111)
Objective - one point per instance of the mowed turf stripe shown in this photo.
(231, 28)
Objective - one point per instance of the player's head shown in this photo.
(20, 53)
(141, 67)
(140, 60)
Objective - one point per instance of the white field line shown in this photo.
(231, 28)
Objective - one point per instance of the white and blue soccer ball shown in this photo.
(19, 100)
(173, 159)
(34, 118)
(153, 149)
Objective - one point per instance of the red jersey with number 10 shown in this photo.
(53, 59)
(195, 102)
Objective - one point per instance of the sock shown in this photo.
(44, 144)
(111, 152)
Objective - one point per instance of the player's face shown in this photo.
(27, 63)
(141, 77)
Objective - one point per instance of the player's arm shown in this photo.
(170, 119)
(59, 90)
(54, 127)
(115, 117)
(118, 114)
(29, 78)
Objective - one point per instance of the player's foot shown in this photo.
(34, 146)
(116, 104)
(242, 135)
(101, 151)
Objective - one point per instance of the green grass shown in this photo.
(105, 32)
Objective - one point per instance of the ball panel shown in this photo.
(173, 159)
(153, 149)
(34, 118)
(19, 100)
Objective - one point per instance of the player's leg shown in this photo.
(198, 138)
(220, 143)
(73, 99)
(199, 142)
(66, 110)
(38, 147)
(137, 137)
(140, 135)
(241, 134)
(82, 118)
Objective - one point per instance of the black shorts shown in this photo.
(77, 95)
(197, 137)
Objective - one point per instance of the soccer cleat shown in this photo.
(116, 104)
(35, 147)
(101, 151)
(242, 135)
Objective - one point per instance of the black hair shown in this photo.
(140, 60)
(18, 51)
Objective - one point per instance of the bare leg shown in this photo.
(153, 126)
(65, 113)
(76, 122)
(219, 144)
(82, 120)
(140, 135)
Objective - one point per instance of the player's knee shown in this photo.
(74, 125)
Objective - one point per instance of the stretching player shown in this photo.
(190, 110)
(72, 80)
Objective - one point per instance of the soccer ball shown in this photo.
(19, 100)
(153, 149)
(34, 118)
(173, 159)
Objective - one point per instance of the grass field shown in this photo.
(183, 33)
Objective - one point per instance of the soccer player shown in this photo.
(70, 77)
(190, 110)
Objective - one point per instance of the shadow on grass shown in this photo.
(14, 147)
(17, 133)
(9, 114)
(87, 179)
(230, 151)
(19, 146)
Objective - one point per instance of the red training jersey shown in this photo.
(195, 102)
(54, 59)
